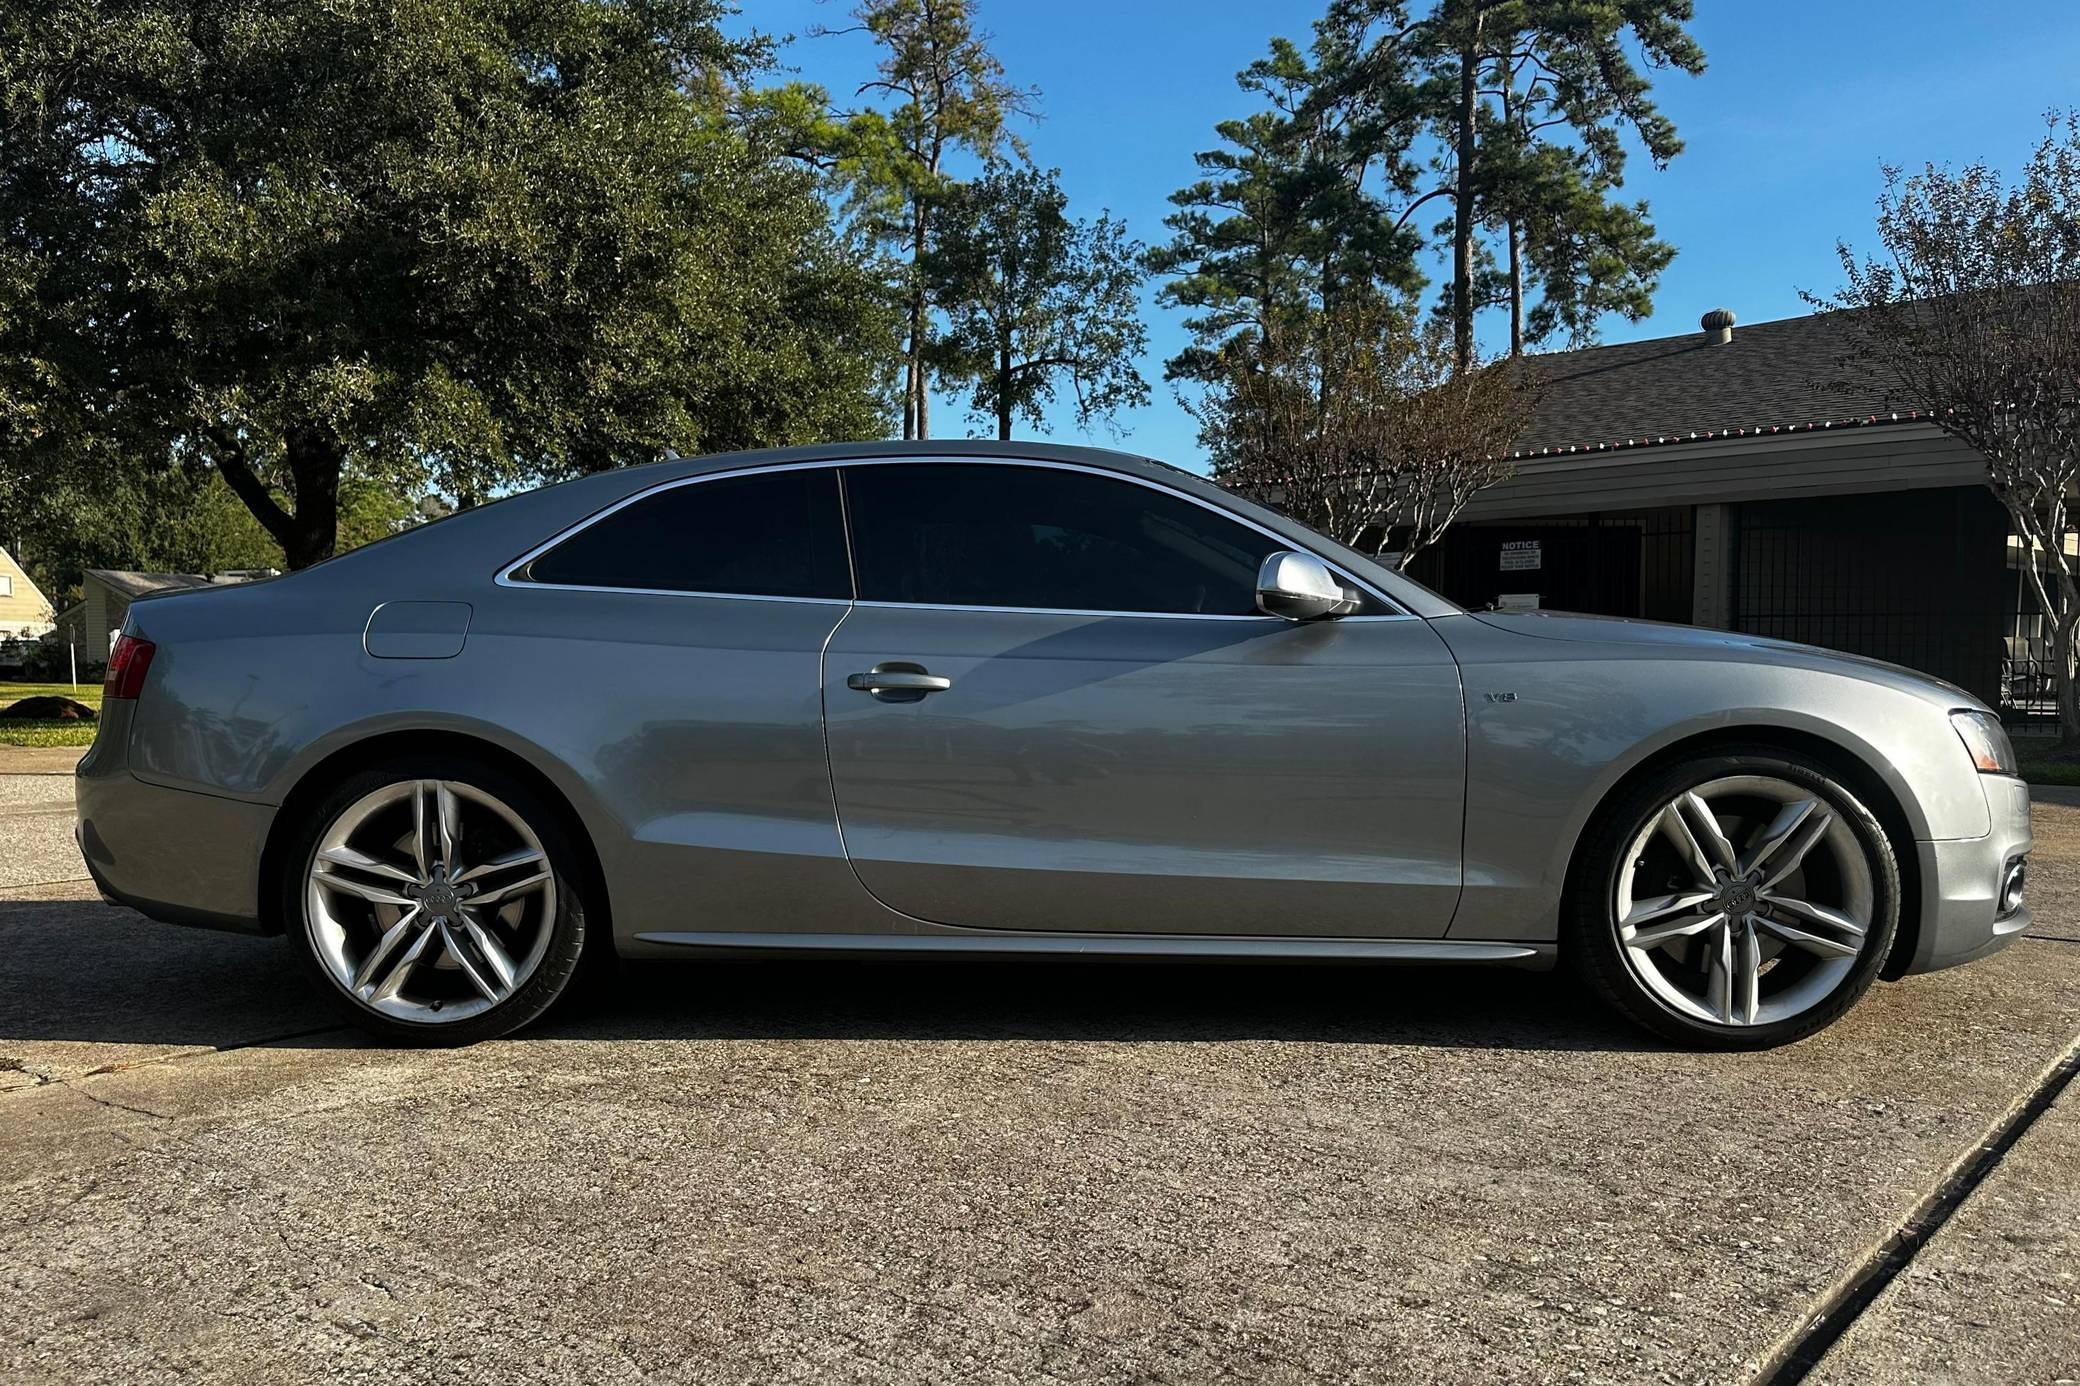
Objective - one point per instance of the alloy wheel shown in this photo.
(430, 901)
(1744, 901)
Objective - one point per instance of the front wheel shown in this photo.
(1735, 901)
(434, 900)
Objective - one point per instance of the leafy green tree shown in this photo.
(1032, 297)
(172, 519)
(944, 93)
(1526, 105)
(60, 522)
(455, 242)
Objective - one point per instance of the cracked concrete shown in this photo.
(811, 1172)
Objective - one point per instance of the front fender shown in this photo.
(1586, 715)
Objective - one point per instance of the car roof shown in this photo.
(967, 449)
(501, 532)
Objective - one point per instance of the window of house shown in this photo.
(769, 534)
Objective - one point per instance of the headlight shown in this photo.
(1982, 736)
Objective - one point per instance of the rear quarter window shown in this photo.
(769, 534)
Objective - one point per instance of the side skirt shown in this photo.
(1535, 956)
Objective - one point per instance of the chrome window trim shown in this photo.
(1119, 615)
(673, 592)
(506, 578)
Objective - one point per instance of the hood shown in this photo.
(1698, 642)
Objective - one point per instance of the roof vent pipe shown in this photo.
(1718, 326)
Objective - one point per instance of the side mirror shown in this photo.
(1300, 587)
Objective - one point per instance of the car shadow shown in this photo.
(82, 971)
(1084, 1001)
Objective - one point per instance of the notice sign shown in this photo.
(1517, 601)
(1521, 555)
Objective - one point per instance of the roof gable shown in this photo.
(24, 585)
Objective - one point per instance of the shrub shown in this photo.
(49, 661)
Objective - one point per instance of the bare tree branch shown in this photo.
(1365, 429)
(1974, 312)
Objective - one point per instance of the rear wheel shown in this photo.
(1735, 901)
(435, 901)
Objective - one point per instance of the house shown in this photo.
(93, 622)
(25, 613)
(1734, 478)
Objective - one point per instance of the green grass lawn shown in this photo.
(16, 731)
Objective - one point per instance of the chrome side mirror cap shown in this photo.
(1300, 587)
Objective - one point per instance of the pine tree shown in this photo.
(948, 93)
(1524, 108)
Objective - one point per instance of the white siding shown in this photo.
(22, 604)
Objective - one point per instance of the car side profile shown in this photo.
(1016, 699)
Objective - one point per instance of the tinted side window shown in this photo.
(773, 534)
(961, 534)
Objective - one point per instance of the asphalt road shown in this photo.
(771, 1172)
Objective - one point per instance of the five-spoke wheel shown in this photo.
(431, 900)
(1742, 900)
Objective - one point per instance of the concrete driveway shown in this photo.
(795, 1172)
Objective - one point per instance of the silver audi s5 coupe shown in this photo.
(1011, 699)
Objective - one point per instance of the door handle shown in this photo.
(897, 681)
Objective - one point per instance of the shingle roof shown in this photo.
(1770, 374)
(144, 584)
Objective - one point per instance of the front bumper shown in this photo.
(172, 854)
(1961, 880)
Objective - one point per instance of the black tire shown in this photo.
(1589, 929)
(560, 961)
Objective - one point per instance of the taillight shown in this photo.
(127, 664)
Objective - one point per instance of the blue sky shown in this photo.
(1785, 132)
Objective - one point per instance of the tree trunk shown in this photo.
(1516, 288)
(1004, 383)
(910, 374)
(2068, 695)
(917, 407)
(2057, 601)
(316, 458)
(1462, 217)
(1507, 80)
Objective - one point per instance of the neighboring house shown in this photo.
(93, 622)
(1728, 478)
(25, 613)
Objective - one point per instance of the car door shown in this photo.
(688, 626)
(1055, 707)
